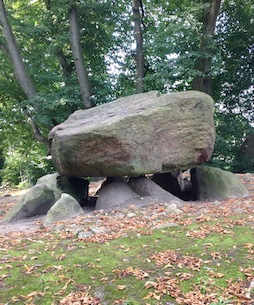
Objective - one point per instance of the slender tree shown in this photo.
(202, 81)
(20, 70)
(15, 55)
(81, 71)
(136, 5)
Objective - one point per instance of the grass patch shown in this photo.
(206, 260)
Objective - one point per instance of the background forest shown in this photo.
(60, 56)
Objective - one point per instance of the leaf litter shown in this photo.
(165, 274)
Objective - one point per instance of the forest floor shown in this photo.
(203, 256)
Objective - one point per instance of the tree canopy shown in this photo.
(78, 54)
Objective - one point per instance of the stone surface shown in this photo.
(238, 210)
(85, 234)
(177, 202)
(65, 208)
(107, 181)
(165, 225)
(96, 230)
(130, 215)
(146, 187)
(60, 227)
(135, 135)
(76, 187)
(140, 203)
(113, 195)
(172, 209)
(38, 200)
(45, 193)
(139, 192)
(210, 183)
(50, 181)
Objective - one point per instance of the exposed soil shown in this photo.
(10, 197)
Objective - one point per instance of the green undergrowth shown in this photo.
(126, 269)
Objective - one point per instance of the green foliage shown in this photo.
(243, 165)
(23, 168)
(231, 131)
(233, 85)
(57, 106)
(41, 29)
(25, 160)
(172, 32)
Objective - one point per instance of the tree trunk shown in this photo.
(65, 66)
(15, 56)
(19, 69)
(139, 48)
(82, 75)
(202, 81)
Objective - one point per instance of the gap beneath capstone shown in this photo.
(167, 187)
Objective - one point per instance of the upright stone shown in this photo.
(76, 187)
(211, 183)
(136, 135)
(37, 201)
(65, 208)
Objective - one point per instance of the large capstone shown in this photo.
(136, 135)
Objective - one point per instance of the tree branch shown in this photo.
(36, 132)
(4, 48)
(65, 66)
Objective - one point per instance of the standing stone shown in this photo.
(113, 194)
(211, 183)
(136, 135)
(76, 187)
(65, 208)
(146, 187)
(38, 200)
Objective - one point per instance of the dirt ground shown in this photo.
(8, 198)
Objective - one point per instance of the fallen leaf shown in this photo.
(149, 284)
(215, 255)
(3, 276)
(215, 275)
(152, 295)
(184, 276)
